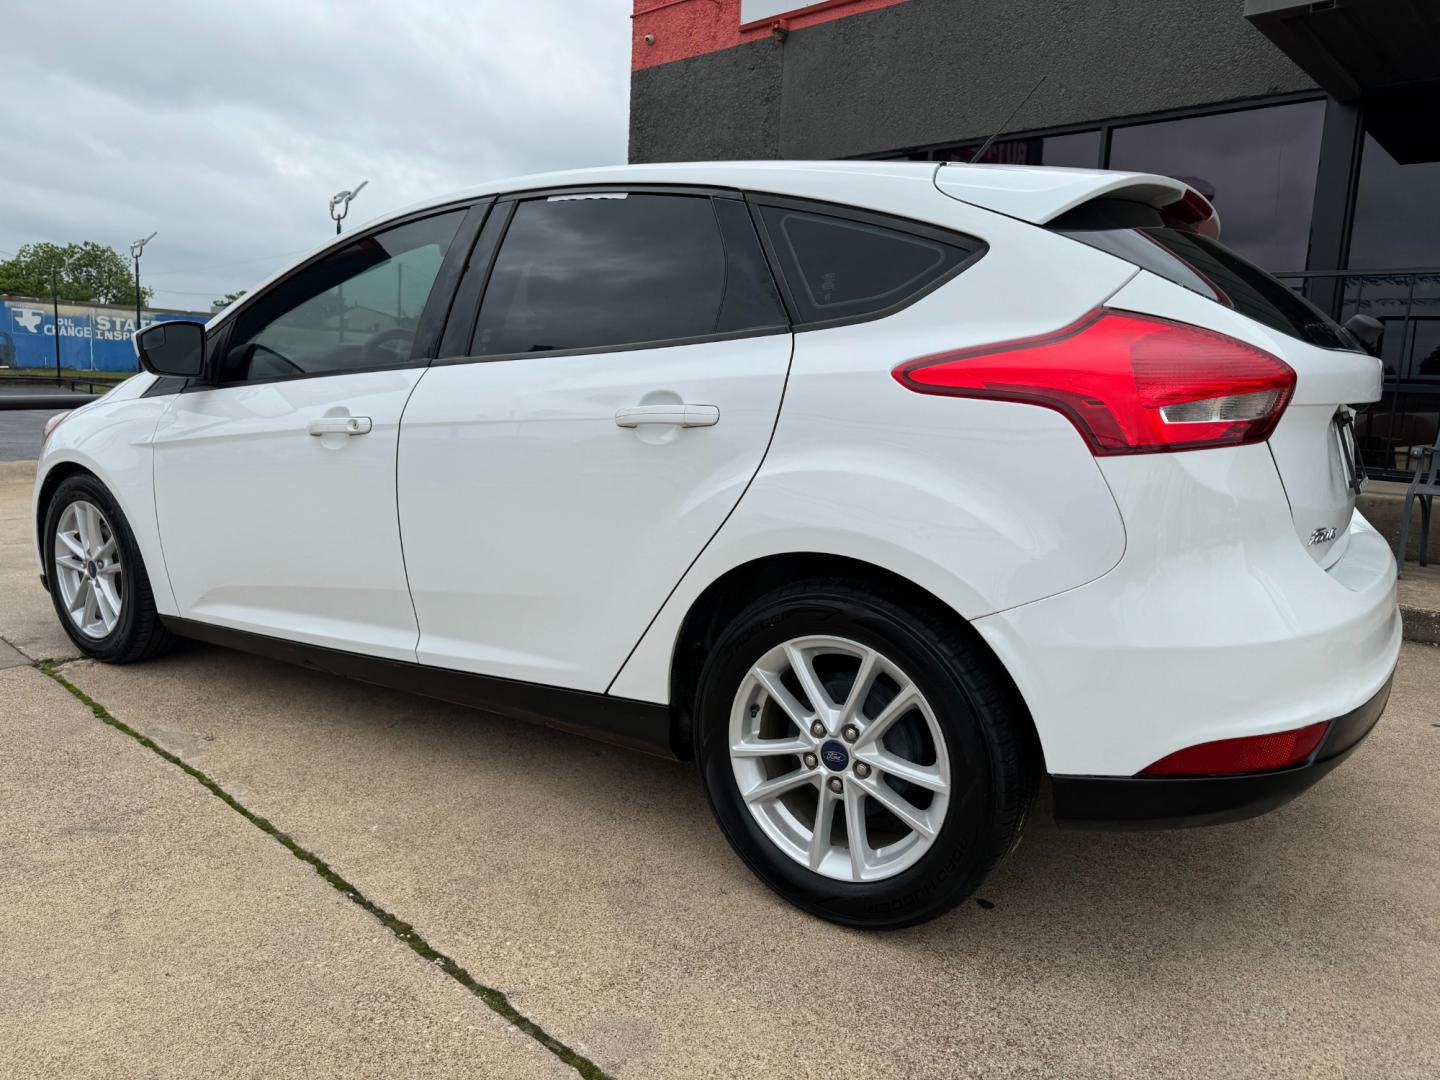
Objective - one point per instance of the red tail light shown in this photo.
(1252, 754)
(1131, 384)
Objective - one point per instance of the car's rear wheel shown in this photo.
(859, 755)
(97, 578)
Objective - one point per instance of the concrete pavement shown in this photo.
(27, 621)
(151, 930)
(591, 886)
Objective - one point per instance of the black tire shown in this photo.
(138, 633)
(989, 743)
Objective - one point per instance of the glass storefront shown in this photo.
(1397, 227)
(1076, 150)
(1258, 166)
(1397, 213)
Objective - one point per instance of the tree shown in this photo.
(226, 300)
(84, 272)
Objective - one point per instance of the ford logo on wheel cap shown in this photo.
(835, 756)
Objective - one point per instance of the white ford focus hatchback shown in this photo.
(882, 491)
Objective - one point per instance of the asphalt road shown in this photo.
(154, 928)
(21, 430)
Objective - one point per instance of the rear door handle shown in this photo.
(679, 415)
(340, 425)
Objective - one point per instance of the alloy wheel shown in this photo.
(88, 569)
(839, 758)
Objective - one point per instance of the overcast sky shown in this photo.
(227, 127)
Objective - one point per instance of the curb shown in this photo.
(1420, 624)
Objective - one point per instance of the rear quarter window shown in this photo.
(839, 265)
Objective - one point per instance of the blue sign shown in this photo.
(91, 338)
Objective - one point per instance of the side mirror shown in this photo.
(1366, 330)
(172, 348)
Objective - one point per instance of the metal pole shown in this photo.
(55, 297)
(136, 250)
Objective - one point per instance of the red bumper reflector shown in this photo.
(1251, 754)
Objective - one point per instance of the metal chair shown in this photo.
(1424, 485)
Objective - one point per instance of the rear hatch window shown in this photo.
(1144, 236)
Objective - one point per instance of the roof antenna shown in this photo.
(986, 146)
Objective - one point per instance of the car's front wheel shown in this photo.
(97, 578)
(860, 756)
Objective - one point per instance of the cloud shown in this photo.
(227, 127)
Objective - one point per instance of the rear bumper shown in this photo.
(1217, 623)
(1111, 802)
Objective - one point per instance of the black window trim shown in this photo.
(441, 298)
(465, 314)
(465, 310)
(893, 222)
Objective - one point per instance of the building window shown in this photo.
(1258, 166)
(1078, 150)
(1397, 213)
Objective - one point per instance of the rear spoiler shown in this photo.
(1039, 195)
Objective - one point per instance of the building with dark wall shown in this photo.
(1314, 127)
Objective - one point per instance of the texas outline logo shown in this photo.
(29, 318)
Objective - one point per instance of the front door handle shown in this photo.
(679, 414)
(340, 425)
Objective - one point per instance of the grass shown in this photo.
(495, 999)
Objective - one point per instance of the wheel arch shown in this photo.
(732, 591)
(57, 475)
(128, 483)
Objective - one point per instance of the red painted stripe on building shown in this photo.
(686, 28)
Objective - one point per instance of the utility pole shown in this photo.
(136, 250)
(55, 300)
(341, 201)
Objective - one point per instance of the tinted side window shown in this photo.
(588, 271)
(840, 268)
(356, 309)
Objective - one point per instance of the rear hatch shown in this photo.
(1314, 444)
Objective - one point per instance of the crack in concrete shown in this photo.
(495, 999)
